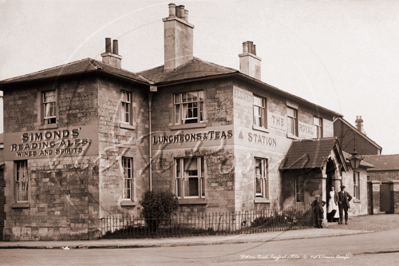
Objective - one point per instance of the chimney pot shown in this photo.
(186, 15)
(245, 47)
(254, 49)
(172, 10)
(108, 45)
(115, 47)
(181, 12)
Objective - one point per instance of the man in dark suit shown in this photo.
(343, 204)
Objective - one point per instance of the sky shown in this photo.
(342, 55)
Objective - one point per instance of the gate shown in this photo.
(385, 202)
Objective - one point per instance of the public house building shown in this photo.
(86, 139)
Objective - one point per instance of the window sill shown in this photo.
(127, 126)
(262, 200)
(188, 126)
(356, 201)
(255, 127)
(20, 205)
(128, 203)
(48, 126)
(193, 202)
(290, 136)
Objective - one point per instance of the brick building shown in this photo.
(85, 140)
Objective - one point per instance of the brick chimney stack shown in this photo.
(178, 38)
(359, 124)
(112, 58)
(249, 62)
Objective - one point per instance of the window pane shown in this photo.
(201, 95)
(177, 98)
(178, 187)
(49, 96)
(193, 186)
(258, 187)
(177, 113)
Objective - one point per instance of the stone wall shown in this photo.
(2, 202)
(382, 175)
(357, 206)
(117, 141)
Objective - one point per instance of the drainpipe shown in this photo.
(150, 94)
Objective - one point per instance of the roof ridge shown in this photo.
(47, 69)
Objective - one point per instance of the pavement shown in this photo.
(357, 225)
(183, 241)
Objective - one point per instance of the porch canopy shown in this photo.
(313, 153)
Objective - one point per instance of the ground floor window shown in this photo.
(127, 166)
(189, 177)
(356, 185)
(261, 180)
(299, 189)
(21, 180)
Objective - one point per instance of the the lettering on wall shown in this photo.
(277, 121)
(261, 140)
(50, 143)
(190, 137)
(306, 130)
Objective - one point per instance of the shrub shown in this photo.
(158, 206)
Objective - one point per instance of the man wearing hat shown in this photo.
(317, 206)
(343, 204)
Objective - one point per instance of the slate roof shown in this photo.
(86, 65)
(195, 68)
(383, 162)
(310, 153)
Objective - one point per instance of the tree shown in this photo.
(158, 206)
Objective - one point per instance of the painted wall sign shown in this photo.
(306, 130)
(277, 121)
(259, 140)
(190, 137)
(73, 141)
(376, 187)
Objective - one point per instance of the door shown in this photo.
(385, 202)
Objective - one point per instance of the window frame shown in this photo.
(318, 127)
(356, 185)
(44, 103)
(299, 185)
(263, 112)
(178, 107)
(17, 182)
(126, 110)
(127, 180)
(180, 176)
(263, 177)
(294, 119)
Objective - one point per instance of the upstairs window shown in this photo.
(189, 177)
(126, 107)
(21, 180)
(261, 180)
(260, 115)
(189, 107)
(318, 123)
(292, 115)
(127, 166)
(49, 100)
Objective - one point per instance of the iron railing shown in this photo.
(192, 224)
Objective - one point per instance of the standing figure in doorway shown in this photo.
(317, 206)
(343, 204)
(332, 204)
